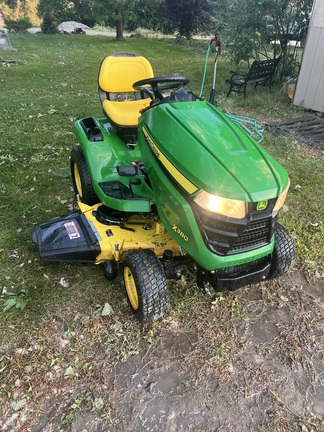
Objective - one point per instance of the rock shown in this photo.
(318, 408)
(170, 415)
(107, 310)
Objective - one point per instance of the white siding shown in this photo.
(310, 85)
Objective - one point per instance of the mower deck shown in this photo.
(118, 236)
(96, 234)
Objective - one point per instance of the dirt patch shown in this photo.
(245, 361)
(270, 377)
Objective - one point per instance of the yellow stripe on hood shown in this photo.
(172, 170)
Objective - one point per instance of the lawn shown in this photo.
(54, 342)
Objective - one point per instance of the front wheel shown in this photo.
(284, 254)
(110, 270)
(146, 285)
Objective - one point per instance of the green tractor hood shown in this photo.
(212, 152)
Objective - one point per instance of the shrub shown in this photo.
(49, 23)
(19, 25)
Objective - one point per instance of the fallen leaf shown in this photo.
(16, 406)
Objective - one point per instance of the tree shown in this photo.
(17, 10)
(118, 18)
(61, 10)
(287, 20)
(115, 13)
(189, 16)
(255, 24)
(18, 25)
(49, 23)
(65, 10)
(147, 14)
(84, 11)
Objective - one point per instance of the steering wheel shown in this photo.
(159, 84)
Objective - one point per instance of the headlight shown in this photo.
(223, 206)
(281, 200)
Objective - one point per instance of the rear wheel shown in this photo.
(146, 285)
(81, 178)
(284, 254)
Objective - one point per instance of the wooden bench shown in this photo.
(261, 72)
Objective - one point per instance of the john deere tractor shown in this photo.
(164, 179)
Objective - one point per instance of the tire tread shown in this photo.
(151, 284)
(284, 253)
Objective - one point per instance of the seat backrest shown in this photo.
(119, 71)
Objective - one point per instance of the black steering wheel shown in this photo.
(159, 84)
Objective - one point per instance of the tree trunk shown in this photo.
(119, 26)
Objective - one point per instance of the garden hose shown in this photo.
(252, 127)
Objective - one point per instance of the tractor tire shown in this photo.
(145, 285)
(81, 178)
(284, 254)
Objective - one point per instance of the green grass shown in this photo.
(53, 83)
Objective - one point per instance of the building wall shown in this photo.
(310, 84)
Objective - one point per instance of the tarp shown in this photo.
(5, 43)
(71, 26)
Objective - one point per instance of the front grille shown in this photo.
(254, 235)
(226, 236)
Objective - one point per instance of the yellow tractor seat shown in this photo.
(120, 102)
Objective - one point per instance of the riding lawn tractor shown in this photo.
(164, 180)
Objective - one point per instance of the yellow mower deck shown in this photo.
(140, 232)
